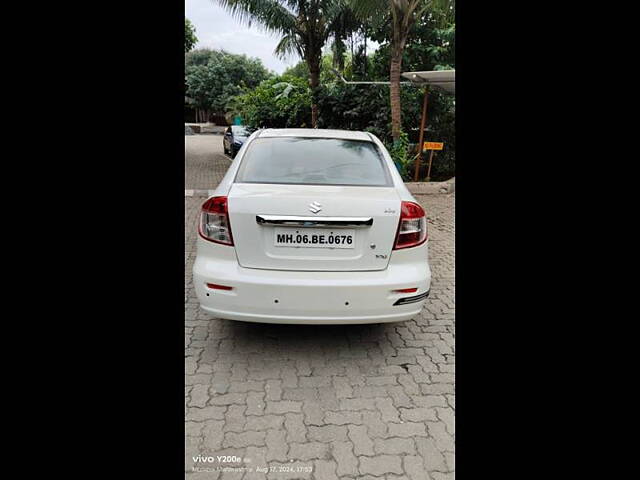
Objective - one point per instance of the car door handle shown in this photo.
(295, 221)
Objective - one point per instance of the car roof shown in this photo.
(314, 133)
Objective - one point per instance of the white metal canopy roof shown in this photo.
(443, 79)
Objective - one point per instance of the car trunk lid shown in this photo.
(313, 227)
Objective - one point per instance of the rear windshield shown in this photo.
(313, 161)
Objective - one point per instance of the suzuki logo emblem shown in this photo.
(315, 207)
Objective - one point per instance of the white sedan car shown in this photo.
(312, 226)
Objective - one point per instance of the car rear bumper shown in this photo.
(297, 297)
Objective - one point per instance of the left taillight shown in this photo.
(214, 221)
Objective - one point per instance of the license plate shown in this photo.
(315, 237)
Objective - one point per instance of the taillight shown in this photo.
(412, 230)
(214, 221)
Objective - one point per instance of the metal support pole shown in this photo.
(423, 122)
(429, 169)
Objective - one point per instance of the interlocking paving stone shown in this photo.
(347, 461)
(258, 457)
(407, 429)
(421, 414)
(205, 164)
(394, 446)
(265, 422)
(295, 427)
(375, 426)
(353, 401)
(199, 396)
(236, 420)
(343, 418)
(362, 444)
(381, 464)
(308, 451)
(325, 470)
(389, 412)
(207, 413)
(276, 445)
(244, 439)
(414, 468)
(284, 406)
(327, 433)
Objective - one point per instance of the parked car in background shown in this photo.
(234, 137)
(312, 226)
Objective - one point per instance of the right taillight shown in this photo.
(412, 230)
(214, 221)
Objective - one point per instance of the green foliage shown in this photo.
(285, 101)
(304, 27)
(203, 56)
(280, 102)
(442, 128)
(358, 107)
(300, 70)
(214, 77)
(429, 47)
(403, 155)
(190, 38)
(366, 107)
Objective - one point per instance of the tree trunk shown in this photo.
(394, 93)
(314, 81)
(365, 54)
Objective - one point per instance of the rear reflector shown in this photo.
(405, 290)
(218, 287)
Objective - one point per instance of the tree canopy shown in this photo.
(190, 38)
(236, 85)
(304, 26)
(399, 17)
(214, 77)
(279, 102)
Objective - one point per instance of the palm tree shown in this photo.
(404, 14)
(305, 26)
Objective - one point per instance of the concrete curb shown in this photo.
(432, 188)
(199, 193)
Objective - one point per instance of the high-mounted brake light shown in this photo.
(412, 229)
(214, 221)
